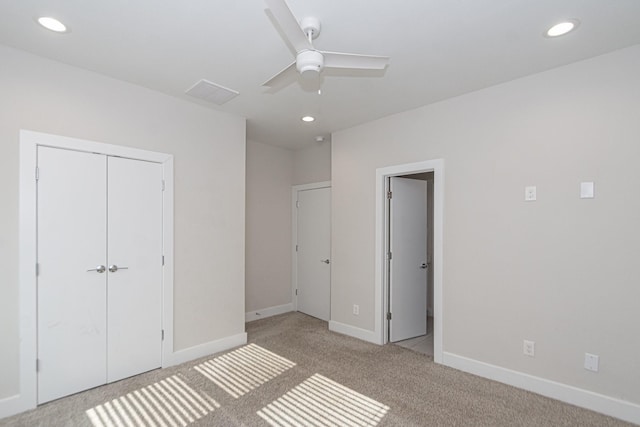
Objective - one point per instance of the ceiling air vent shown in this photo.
(211, 92)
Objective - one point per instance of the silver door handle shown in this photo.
(424, 265)
(326, 261)
(99, 269)
(113, 268)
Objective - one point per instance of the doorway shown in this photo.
(409, 248)
(34, 147)
(312, 250)
(434, 261)
(99, 269)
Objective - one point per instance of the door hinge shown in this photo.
(37, 173)
(388, 316)
(296, 292)
(296, 248)
(163, 186)
(37, 269)
(389, 256)
(37, 365)
(389, 194)
(297, 204)
(163, 335)
(162, 259)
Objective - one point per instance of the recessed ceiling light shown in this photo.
(308, 119)
(52, 24)
(562, 28)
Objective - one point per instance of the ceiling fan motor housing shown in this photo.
(309, 63)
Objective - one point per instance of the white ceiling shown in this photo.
(438, 49)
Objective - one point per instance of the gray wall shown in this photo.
(560, 271)
(312, 164)
(268, 262)
(209, 153)
(271, 172)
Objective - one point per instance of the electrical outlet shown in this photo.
(529, 348)
(356, 309)
(591, 362)
(530, 193)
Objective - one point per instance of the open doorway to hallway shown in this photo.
(433, 264)
(409, 260)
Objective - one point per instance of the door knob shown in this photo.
(113, 268)
(99, 269)
(326, 261)
(424, 265)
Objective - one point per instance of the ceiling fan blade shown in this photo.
(289, 25)
(353, 60)
(284, 77)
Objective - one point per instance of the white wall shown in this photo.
(271, 172)
(209, 154)
(560, 271)
(312, 164)
(268, 259)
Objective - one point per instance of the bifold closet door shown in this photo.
(134, 269)
(100, 270)
(71, 297)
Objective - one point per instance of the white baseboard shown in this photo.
(211, 347)
(353, 331)
(13, 405)
(617, 408)
(268, 312)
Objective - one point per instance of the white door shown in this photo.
(314, 250)
(408, 264)
(72, 217)
(97, 323)
(134, 290)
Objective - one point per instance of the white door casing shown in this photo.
(72, 326)
(408, 263)
(381, 306)
(313, 252)
(135, 247)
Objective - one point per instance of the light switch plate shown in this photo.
(530, 193)
(586, 190)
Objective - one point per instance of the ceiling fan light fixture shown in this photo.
(52, 24)
(309, 63)
(562, 28)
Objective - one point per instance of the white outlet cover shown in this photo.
(591, 362)
(529, 348)
(530, 193)
(586, 190)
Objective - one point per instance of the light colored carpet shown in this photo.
(296, 372)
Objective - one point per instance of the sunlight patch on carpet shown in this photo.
(319, 401)
(242, 370)
(167, 403)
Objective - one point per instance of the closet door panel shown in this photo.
(71, 301)
(134, 294)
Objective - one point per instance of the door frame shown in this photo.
(294, 237)
(381, 243)
(29, 142)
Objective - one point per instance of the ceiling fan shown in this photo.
(309, 61)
